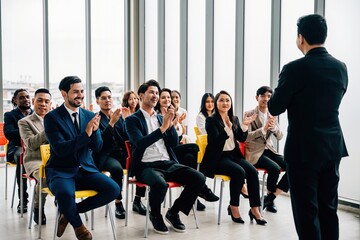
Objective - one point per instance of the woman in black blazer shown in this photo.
(223, 156)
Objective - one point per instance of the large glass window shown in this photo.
(257, 49)
(151, 39)
(342, 42)
(224, 46)
(172, 44)
(107, 35)
(22, 47)
(196, 60)
(67, 53)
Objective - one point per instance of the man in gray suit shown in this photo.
(33, 135)
(311, 89)
(260, 150)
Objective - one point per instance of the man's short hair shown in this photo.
(42, 90)
(313, 28)
(66, 82)
(144, 87)
(99, 90)
(262, 90)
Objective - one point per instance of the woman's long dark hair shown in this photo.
(203, 103)
(230, 112)
(157, 107)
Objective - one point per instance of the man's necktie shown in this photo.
(76, 124)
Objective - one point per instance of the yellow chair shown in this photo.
(45, 155)
(201, 141)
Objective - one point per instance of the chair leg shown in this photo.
(56, 222)
(220, 201)
(108, 207)
(262, 193)
(214, 185)
(40, 209)
(147, 213)
(21, 192)
(6, 180)
(32, 207)
(194, 212)
(127, 203)
(13, 193)
(92, 219)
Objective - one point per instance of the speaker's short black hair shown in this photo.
(313, 28)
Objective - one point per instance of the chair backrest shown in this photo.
(201, 141)
(242, 148)
(196, 130)
(45, 153)
(129, 154)
(3, 140)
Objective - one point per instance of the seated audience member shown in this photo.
(185, 153)
(223, 156)
(22, 108)
(33, 135)
(131, 101)
(112, 157)
(73, 135)
(260, 150)
(176, 100)
(152, 137)
(207, 109)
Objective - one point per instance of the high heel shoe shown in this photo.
(260, 221)
(237, 220)
(244, 195)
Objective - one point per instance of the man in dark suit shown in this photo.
(154, 162)
(73, 135)
(311, 89)
(112, 157)
(22, 108)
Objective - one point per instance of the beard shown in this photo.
(24, 107)
(74, 103)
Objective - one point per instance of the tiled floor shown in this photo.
(280, 225)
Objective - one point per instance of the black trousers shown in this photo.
(237, 168)
(273, 163)
(156, 174)
(115, 167)
(314, 198)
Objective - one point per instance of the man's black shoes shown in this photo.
(208, 195)
(119, 210)
(36, 216)
(139, 207)
(269, 205)
(159, 225)
(175, 222)
(200, 206)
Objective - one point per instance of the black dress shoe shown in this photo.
(139, 208)
(175, 222)
(24, 207)
(36, 216)
(269, 205)
(200, 206)
(119, 210)
(208, 195)
(159, 225)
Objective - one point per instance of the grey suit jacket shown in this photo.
(33, 135)
(256, 141)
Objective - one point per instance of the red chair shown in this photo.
(140, 184)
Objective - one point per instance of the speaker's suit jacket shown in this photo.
(216, 141)
(33, 135)
(311, 89)
(256, 141)
(11, 131)
(137, 131)
(70, 150)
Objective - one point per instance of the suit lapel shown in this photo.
(67, 119)
(37, 122)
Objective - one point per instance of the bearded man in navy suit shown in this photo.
(73, 135)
